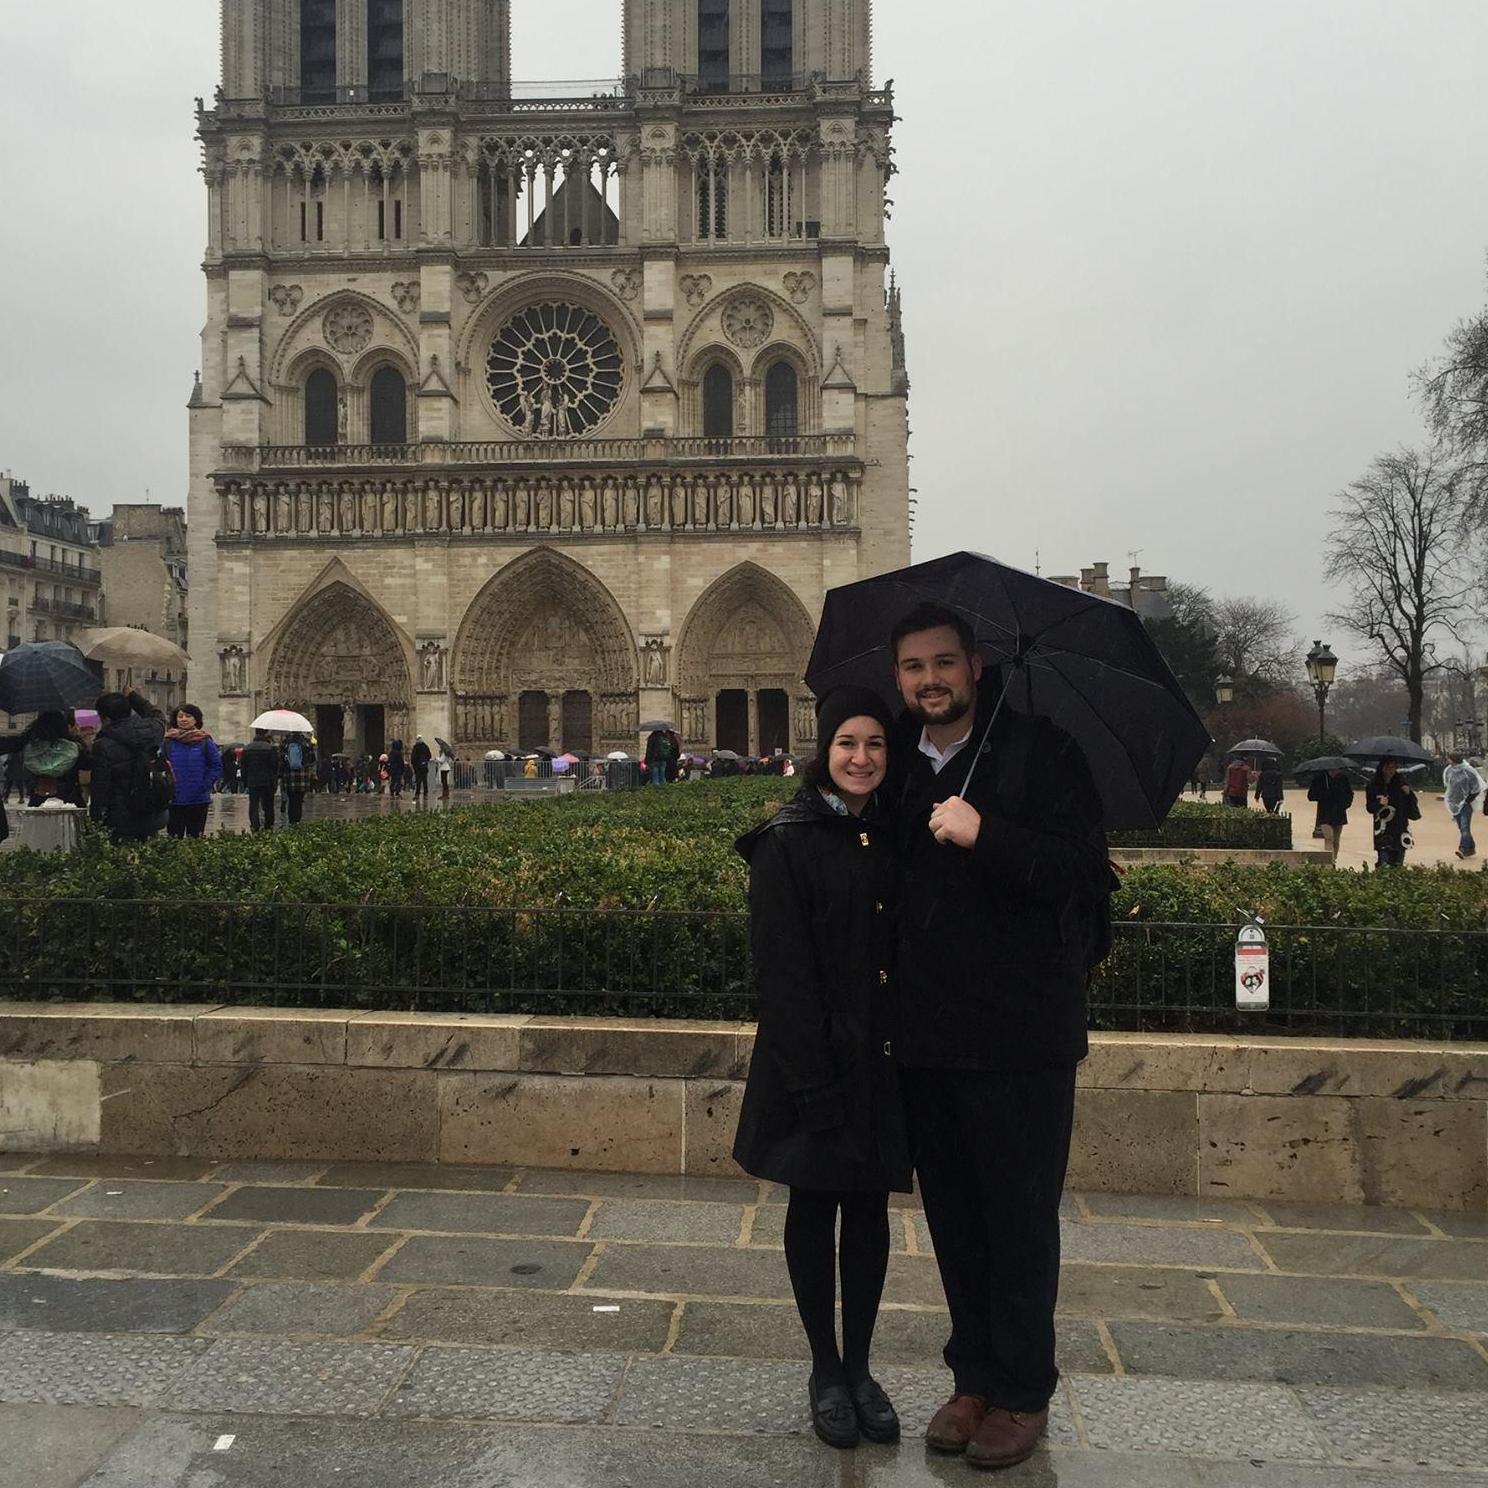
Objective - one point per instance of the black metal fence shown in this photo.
(1360, 981)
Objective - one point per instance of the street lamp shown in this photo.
(1224, 691)
(1322, 668)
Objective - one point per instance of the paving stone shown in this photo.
(17, 1235)
(1136, 1292)
(1150, 1245)
(1283, 1357)
(276, 1376)
(1171, 1207)
(770, 1330)
(1373, 1218)
(1462, 1308)
(509, 1385)
(61, 1304)
(58, 1446)
(1200, 1418)
(482, 1214)
(89, 1369)
(91, 1165)
(918, 1393)
(531, 1319)
(303, 1307)
(549, 1265)
(313, 1255)
(690, 1270)
(143, 1249)
(1318, 1299)
(702, 1223)
(415, 1175)
(1412, 1427)
(132, 1198)
(15, 1162)
(309, 1206)
(779, 1193)
(742, 1395)
(31, 1195)
(768, 1229)
(1463, 1224)
(274, 1172)
(1363, 1255)
(641, 1186)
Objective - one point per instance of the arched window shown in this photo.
(713, 179)
(782, 402)
(318, 51)
(777, 44)
(389, 407)
(713, 45)
(718, 402)
(320, 408)
(385, 50)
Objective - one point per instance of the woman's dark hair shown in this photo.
(191, 708)
(47, 725)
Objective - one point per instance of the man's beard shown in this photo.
(956, 710)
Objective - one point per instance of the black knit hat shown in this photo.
(843, 703)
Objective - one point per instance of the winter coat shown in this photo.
(197, 768)
(421, 756)
(259, 765)
(1334, 796)
(121, 752)
(996, 942)
(10, 744)
(297, 779)
(1270, 787)
(822, 1107)
(1406, 804)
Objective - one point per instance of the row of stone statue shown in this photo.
(616, 718)
(720, 501)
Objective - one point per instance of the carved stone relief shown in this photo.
(406, 296)
(234, 661)
(347, 327)
(287, 297)
(799, 286)
(748, 322)
(432, 666)
(472, 286)
(627, 283)
(696, 288)
(655, 660)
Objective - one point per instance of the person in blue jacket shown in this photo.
(196, 763)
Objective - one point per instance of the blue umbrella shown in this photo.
(47, 674)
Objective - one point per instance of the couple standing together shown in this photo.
(923, 922)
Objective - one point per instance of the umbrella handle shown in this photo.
(987, 732)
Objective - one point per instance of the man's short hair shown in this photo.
(113, 706)
(932, 616)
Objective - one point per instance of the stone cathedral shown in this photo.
(524, 419)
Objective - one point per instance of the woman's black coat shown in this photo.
(822, 1108)
(1407, 809)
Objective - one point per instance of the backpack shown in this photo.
(294, 754)
(49, 758)
(153, 786)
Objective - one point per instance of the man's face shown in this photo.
(937, 680)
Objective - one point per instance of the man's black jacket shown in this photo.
(993, 949)
(259, 766)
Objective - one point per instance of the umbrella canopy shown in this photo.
(568, 759)
(124, 646)
(445, 746)
(1323, 764)
(494, 754)
(1383, 747)
(283, 721)
(726, 754)
(618, 755)
(46, 674)
(666, 726)
(1085, 663)
(1254, 746)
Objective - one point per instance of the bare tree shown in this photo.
(1400, 557)
(1455, 391)
(1254, 642)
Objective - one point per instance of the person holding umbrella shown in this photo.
(1331, 790)
(1394, 806)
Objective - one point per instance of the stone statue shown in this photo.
(457, 508)
(839, 500)
(587, 505)
(814, 501)
(500, 507)
(521, 507)
(805, 721)
(723, 503)
(480, 506)
(769, 508)
(679, 502)
(654, 663)
(389, 508)
(631, 503)
(325, 512)
(369, 510)
(566, 504)
(233, 509)
(655, 512)
(432, 504)
(282, 516)
(348, 510)
(433, 668)
(609, 506)
(746, 502)
(790, 504)
(232, 670)
(544, 506)
(304, 513)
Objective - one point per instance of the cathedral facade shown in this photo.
(524, 420)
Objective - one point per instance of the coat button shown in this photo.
(863, 838)
(878, 906)
(888, 1049)
(883, 978)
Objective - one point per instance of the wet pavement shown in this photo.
(177, 1323)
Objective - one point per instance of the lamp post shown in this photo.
(1224, 691)
(1322, 668)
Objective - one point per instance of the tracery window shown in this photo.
(777, 43)
(778, 195)
(389, 407)
(554, 371)
(385, 49)
(713, 45)
(718, 402)
(318, 51)
(782, 401)
(321, 398)
(712, 200)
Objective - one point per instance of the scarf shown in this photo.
(187, 735)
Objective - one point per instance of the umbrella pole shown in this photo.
(987, 732)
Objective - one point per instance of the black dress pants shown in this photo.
(260, 807)
(188, 821)
(991, 1148)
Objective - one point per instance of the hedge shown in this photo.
(1196, 824)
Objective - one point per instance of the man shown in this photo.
(1334, 795)
(259, 768)
(130, 791)
(1004, 873)
(1464, 786)
(1270, 787)
(419, 758)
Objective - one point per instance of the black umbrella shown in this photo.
(1383, 747)
(443, 744)
(1254, 746)
(47, 674)
(1084, 662)
(654, 725)
(1325, 763)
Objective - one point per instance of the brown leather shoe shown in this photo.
(1006, 1438)
(956, 1423)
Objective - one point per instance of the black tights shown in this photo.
(812, 1254)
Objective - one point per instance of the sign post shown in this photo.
(1252, 969)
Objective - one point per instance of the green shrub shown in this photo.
(1196, 824)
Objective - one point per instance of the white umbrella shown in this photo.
(619, 754)
(283, 721)
(124, 646)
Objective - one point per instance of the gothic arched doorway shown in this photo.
(545, 658)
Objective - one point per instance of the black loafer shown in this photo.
(832, 1415)
(877, 1419)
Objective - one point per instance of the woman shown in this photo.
(196, 763)
(1394, 807)
(396, 766)
(52, 755)
(822, 1111)
(1334, 795)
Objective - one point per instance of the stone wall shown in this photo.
(1289, 1119)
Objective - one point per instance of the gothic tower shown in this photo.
(523, 419)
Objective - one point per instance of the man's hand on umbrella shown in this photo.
(957, 822)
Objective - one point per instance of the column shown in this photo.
(754, 728)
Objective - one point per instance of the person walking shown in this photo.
(1270, 787)
(420, 757)
(196, 765)
(1236, 783)
(395, 768)
(259, 768)
(1003, 912)
(1463, 787)
(1334, 795)
(822, 1111)
(130, 790)
(1394, 807)
(296, 775)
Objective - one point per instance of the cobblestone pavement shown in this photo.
(178, 1322)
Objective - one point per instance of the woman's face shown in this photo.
(1387, 771)
(858, 758)
(185, 721)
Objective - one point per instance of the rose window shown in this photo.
(554, 371)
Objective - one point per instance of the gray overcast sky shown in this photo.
(1167, 264)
